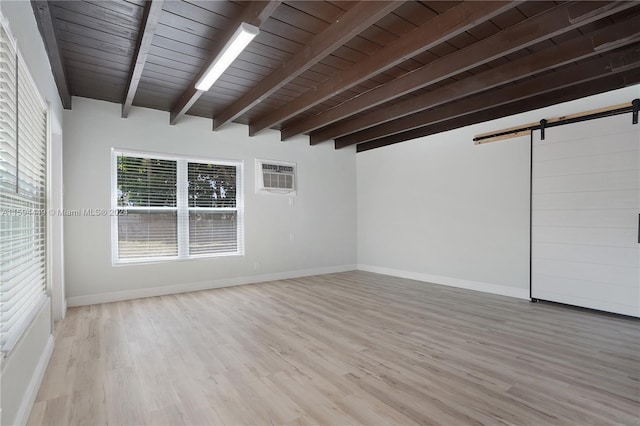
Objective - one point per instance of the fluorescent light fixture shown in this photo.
(236, 44)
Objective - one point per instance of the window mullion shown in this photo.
(182, 191)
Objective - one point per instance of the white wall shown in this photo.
(23, 368)
(444, 210)
(321, 221)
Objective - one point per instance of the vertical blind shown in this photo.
(175, 208)
(23, 193)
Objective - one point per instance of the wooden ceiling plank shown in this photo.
(349, 25)
(529, 32)
(196, 14)
(97, 47)
(172, 72)
(96, 68)
(352, 131)
(170, 64)
(98, 13)
(172, 45)
(186, 25)
(601, 85)
(200, 41)
(46, 25)
(415, 13)
(302, 20)
(583, 12)
(616, 62)
(120, 7)
(160, 77)
(95, 23)
(150, 18)
(228, 9)
(255, 13)
(324, 10)
(435, 31)
(176, 57)
(87, 55)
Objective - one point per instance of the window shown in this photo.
(23, 196)
(175, 208)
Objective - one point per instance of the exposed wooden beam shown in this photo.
(540, 27)
(564, 95)
(585, 71)
(48, 32)
(368, 127)
(605, 83)
(255, 13)
(435, 31)
(150, 17)
(350, 24)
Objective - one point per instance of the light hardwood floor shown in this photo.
(349, 348)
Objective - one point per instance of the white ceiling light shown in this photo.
(236, 44)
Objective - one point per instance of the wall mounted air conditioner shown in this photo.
(277, 177)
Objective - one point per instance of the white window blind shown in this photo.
(147, 208)
(213, 213)
(23, 193)
(174, 208)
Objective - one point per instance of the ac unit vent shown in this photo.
(275, 176)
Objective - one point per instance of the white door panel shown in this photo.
(618, 218)
(617, 237)
(603, 297)
(606, 181)
(585, 206)
(599, 254)
(587, 200)
(606, 274)
(614, 162)
(586, 147)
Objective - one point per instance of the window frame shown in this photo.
(182, 208)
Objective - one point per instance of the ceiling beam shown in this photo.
(255, 13)
(435, 31)
(590, 88)
(355, 20)
(585, 71)
(370, 126)
(602, 74)
(49, 34)
(540, 27)
(150, 18)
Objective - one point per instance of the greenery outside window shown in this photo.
(168, 207)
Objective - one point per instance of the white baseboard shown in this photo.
(93, 299)
(519, 293)
(22, 416)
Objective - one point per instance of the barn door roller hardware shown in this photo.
(542, 125)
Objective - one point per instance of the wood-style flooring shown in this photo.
(338, 349)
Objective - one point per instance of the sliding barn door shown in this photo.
(585, 215)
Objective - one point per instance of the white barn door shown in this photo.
(585, 206)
